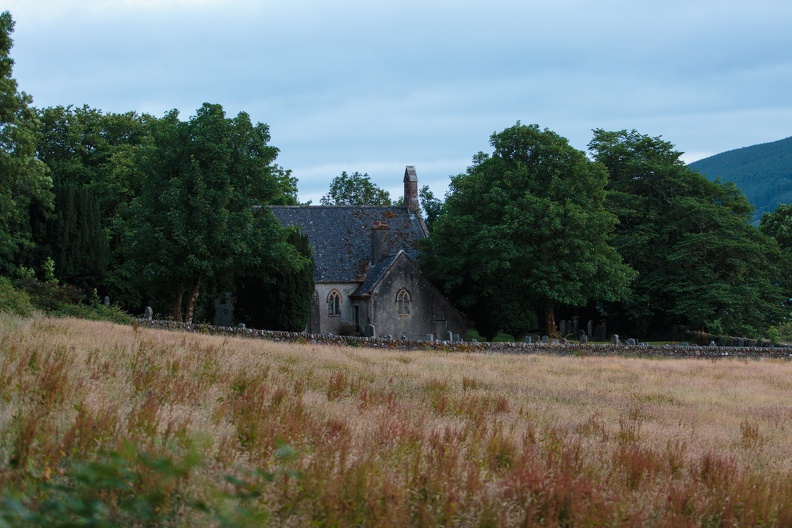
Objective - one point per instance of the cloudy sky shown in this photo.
(372, 86)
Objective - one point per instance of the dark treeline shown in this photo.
(145, 210)
(165, 212)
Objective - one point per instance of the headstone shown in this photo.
(371, 330)
(554, 342)
(615, 339)
(590, 328)
(528, 339)
(241, 326)
(741, 342)
(107, 300)
(449, 336)
(712, 344)
(545, 339)
(456, 338)
(600, 331)
(575, 324)
(630, 342)
(429, 337)
(583, 339)
(148, 314)
(563, 327)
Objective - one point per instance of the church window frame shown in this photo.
(334, 304)
(403, 302)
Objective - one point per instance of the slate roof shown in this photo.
(341, 237)
(375, 274)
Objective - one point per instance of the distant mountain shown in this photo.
(763, 172)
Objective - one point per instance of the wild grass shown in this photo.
(121, 425)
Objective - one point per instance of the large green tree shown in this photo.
(101, 154)
(198, 219)
(355, 189)
(701, 264)
(24, 180)
(525, 229)
(278, 299)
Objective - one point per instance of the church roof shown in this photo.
(341, 237)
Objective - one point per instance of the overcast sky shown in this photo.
(372, 86)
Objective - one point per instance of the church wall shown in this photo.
(334, 324)
(430, 312)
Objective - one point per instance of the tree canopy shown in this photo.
(355, 189)
(199, 217)
(701, 264)
(25, 182)
(525, 229)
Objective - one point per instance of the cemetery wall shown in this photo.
(763, 350)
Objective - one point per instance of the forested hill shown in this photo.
(763, 172)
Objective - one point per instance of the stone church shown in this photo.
(366, 273)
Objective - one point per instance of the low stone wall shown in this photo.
(561, 349)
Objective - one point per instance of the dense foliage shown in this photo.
(763, 172)
(525, 229)
(700, 263)
(355, 189)
(279, 300)
(198, 218)
(24, 180)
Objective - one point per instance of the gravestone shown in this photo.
(456, 338)
(563, 327)
(740, 342)
(429, 337)
(615, 339)
(575, 324)
(545, 339)
(449, 336)
(630, 342)
(583, 339)
(528, 339)
(590, 328)
(107, 300)
(148, 313)
(371, 330)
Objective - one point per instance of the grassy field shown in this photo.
(119, 425)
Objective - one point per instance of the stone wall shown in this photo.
(569, 349)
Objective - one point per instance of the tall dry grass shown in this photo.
(214, 431)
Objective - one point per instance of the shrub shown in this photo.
(14, 301)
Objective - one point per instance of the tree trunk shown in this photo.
(176, 306)
(550, 325)
(191, 302)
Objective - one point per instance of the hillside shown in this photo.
(763, 172)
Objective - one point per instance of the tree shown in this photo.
(75, 237)
(278, 299)
(102, 154)
(433, 207)
(24, 180)
(700, 263)
(199, 218)
(356, 189)
(524, 229)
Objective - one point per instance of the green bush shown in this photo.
(14, 301)
(112, 314)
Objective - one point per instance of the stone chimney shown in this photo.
(411, 190)
(380, 241)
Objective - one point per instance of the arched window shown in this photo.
(334, 304)
(403, 302)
